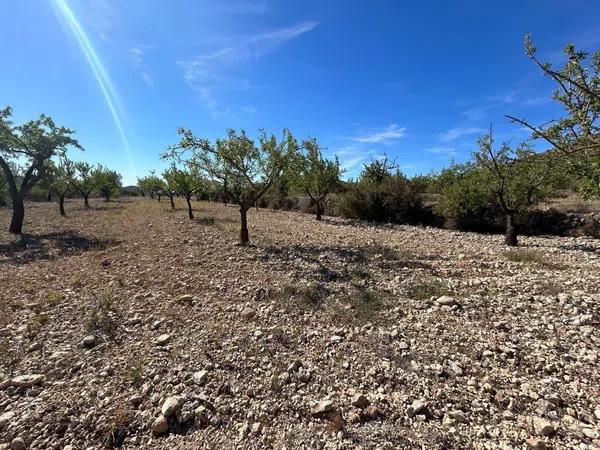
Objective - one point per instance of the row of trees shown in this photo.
(499, 180)
(243, 171)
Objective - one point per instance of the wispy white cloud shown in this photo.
(101, 16)
(503, 98)
(535, 101)
(442, 150)
(458, 132)
(210, 73)
(138, 55)
(390, 133)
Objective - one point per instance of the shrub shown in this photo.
(391, 198)
(467, 203)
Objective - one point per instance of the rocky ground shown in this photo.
(131, 326)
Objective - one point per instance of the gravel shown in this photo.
(327, 334)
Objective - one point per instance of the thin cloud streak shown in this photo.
(458, 132)
(211, 73)
(391, 133)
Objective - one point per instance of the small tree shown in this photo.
(185, 181)
(577, 134)
(152, 185)
(245, 170)
(84, 178)
(108, 183)
(519, 178)
(316, 176)
(24, 150)
(61, 182)
(168, 186)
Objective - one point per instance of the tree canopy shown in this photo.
(24, 151)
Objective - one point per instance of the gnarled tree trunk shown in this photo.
(86, 202)
(172, 202)
(510, 237)
(244, 238)
(18, 215)
(189, 203)
(319, 210)
(61, 205)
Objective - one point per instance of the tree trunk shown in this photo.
(86, 202)
(49, 195)
(319, 211)
(172, 202)
(244, 226)
(61, 205)
(152, 195)
(107, 196)
(18, 215)
(189, 203)
(159, 196)
(511, 232)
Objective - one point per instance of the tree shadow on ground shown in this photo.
(347, 259)
(34, 247)
(581, 248)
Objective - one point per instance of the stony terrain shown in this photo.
(131, 326)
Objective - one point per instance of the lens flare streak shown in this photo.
(104, 82)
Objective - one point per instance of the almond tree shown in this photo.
(316, 176)
(108, 183)
(151, 184)
(24, 150)
(84, 178)
(61, 182)
(577, 134)
(168, 187)
(244, 169)
(185, 181)
(519, 178)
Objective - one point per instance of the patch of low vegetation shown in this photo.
(209, 220)
(104, 314)
(10, 356)
(118, 428)
(36, 323)
(425, 289)
(310, 296)
(366, 303)
(53, 298)
(551, 289)
(532, 257)
(134, 370)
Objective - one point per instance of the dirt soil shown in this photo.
(131, 326)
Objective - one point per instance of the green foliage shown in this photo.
(186, 181)
(84, 178)
(314, 175)
(151, 184)
(244, 170)
(26, 149)
(60, 177)
(518, 177)
(382, 196)
(577, 133)
(108, 182)
(467, 202)
(589, 184)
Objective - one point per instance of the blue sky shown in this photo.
(418, 80)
